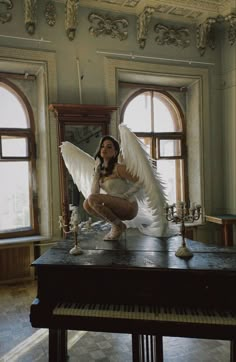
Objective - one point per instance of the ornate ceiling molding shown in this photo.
(6, 16)
(170, 36)
(205, 35)
(30, 12)
(71, 18)
(143, 21)
(50, 13)
(103, 25)
(231, 19)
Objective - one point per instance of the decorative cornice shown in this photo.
(50, 13)
(71, 18)
(142, 25)
(205, 35)
(103, 25)
(171, 36)
(30, 10)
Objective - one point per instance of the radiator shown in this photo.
(15, 261)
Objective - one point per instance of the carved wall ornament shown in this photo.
(171, 36)
(50, 13)
(143, 22)
(104, 25)
(30, 8)
(71, 18)
(205, 35)
(6, 16)
(231, 19)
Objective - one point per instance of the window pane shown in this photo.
(12, 112)
(14, 146)
(163, 121)
(171, 171)
(170, 148)
(138, 113)
(14, 196)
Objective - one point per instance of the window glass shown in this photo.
(170, 148)
(12, 114)
(162, 116)
(14, 196)
(14, 146)
(138, 113)
(163, 121)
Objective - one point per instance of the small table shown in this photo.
(227, 221)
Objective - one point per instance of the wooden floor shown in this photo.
(22, 343)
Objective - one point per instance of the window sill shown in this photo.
(22, 240)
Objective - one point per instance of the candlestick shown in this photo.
(180, 213)
(73, 229)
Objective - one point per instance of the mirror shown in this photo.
(82, 125)
(86, 138)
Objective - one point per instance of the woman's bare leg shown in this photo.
(112, 209)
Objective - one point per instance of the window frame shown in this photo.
(170, 102)
(28, 133)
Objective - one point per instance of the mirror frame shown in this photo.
(77, 114)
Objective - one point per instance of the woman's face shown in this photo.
(108, 150)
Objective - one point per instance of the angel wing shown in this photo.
(140, 164)
(80, 165)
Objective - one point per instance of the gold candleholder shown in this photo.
(180, 213)
(74, 227)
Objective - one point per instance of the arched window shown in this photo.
(18, 197)
(156, 118)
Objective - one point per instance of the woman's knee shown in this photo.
(93, 199)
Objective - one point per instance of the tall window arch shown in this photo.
(18, 196)
(156, 118)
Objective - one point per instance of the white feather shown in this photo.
(80, 165)
(140, 164)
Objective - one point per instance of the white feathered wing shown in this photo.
(80, 165)
(151, 219)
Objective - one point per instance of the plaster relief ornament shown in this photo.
(71, 18)
(143, 22)
(6, 16)
(232, 27)
(103, 25)
(30, 15)
(50, 13)
(205, 35)
(170, 36)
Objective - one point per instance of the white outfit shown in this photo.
(116, 186)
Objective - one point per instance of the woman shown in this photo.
(119, 202)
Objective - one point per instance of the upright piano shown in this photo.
(138, 287)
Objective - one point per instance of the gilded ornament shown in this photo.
(30, 8)
(171, 36)
(103, 25)
(6, 16)
(71, 18)
(50, 13)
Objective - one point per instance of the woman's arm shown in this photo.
(95, 188)
(135, 183)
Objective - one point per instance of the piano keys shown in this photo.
(135, 287)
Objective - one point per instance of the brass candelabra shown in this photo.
(180, 213)
(74, 227)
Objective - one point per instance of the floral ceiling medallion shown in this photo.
(103, 25)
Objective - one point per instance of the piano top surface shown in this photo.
(138, 251)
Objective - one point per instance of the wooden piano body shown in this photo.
(138, 287)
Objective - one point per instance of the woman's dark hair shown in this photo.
(108, 170)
